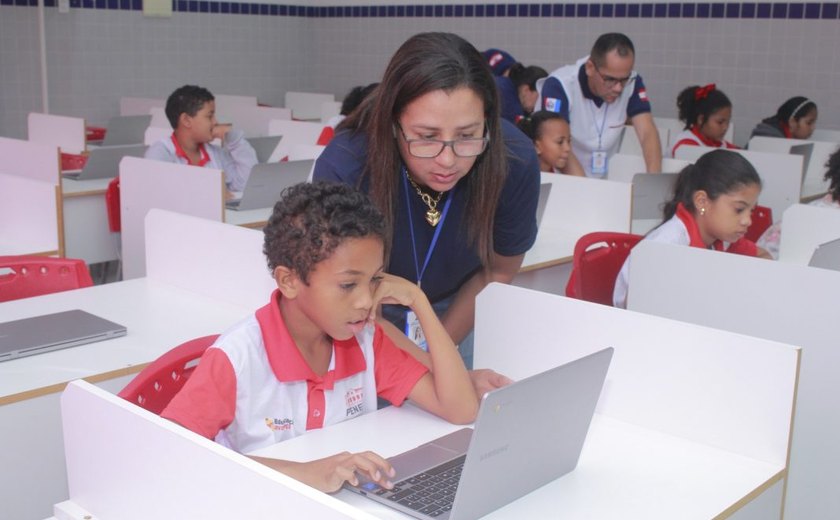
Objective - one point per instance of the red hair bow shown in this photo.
(703, 92)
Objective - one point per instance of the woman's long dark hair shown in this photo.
(717, 173)
(426, 63)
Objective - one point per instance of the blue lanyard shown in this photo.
(603, 122)
(417, 269)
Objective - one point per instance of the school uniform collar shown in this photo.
(785, 129)
(179, 152)
(287, 362)
(695, 239)
(583, 79)
(705, 140)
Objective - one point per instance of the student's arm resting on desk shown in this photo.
(446, 390)
(649, 139)
(238, 157)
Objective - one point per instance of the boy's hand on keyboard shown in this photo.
(330, 473)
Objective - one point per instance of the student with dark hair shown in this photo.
(552, 139)
(313, 356)
(524, 80)
(457, 185)
(191, 111)
(711, 208)
(597, 95)
(795, 119)
(706, 112)
(353, 99)
(772, 236)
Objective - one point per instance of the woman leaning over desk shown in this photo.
(458, 186)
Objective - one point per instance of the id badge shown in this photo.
(414, 331)
(599, 164)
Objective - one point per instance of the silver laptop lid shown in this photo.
(104, 163)
(264, 146)
(267, 181)
(48, 332)
(805, 150)
(122, 130)
(827, 256)
(528, 434)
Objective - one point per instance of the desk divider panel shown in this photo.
(672, 377)
(126, 463)
(227, 103)
(781, 175)
(827, 135)
(774, 300)
(68, 133)
(623, 167)
(579, 205)
(630, 144)
(294, 133)
(675, 126)
(253, 120)
(804, 228)
(178, 248)
(30, 212)
(32, 160)
(147, 184)
(816, 165)
(306, 105)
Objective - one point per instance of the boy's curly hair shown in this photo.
(312, 219)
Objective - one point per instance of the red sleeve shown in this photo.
(207, 402)
(743, 247)
(396, 371)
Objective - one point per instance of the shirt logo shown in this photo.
(553, 104)
(279, 424)
(354, 399)
(494, 59)
(643, 94)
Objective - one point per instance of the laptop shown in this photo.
(805, 150)
(104, 163)
(48, 332)
(827, 256)
(264, 146)
(545, 191)
(123, 130)
(266, 183)
(526, 435)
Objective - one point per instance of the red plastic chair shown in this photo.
(112, 204)
(36, 275)
(598, 258)
(762, 218)
(164, 377)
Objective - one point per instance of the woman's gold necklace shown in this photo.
(432, 215)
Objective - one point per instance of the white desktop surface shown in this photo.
(625, 471)
(157, 316)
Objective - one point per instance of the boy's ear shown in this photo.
(287, 281)
(184, 120)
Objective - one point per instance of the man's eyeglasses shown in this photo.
(429, 148)
(611, 82)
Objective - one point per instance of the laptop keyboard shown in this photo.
(430, 493)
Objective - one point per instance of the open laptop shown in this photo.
(104, 163)
(827, 255)
(545, 191)
(264, 146)
(48, 332)
(267, 181)
(526, 435)
(123, 130)
(650, 193)
(805, 150)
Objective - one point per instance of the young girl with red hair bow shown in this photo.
(706, 112)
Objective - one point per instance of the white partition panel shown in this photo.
(630, 144)
(813, 183)
(238, 268)
(253, 120)
(147, 184)
(294, 133)
(675, 126)
(804, 228)
(68, 133)
(774, 300)
(136, 106)
(623, 167)
(306, 105)
(827, 135)
(33, 160)
(781, 175)
(330, 109)
(154, 134)
(129, 464)
(29, 217)
(227, 103)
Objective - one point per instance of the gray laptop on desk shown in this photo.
(805, 150)
(264, 146)
(104, 162)
(526, 435)
(267, 181)
(827, 255)
(123, 130)
(48, 332)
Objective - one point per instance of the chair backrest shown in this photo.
(164, 377)
(597, 259)
(112, 204)
(24, 276)
(762, 218)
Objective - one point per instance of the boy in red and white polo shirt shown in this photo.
(313, 356)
